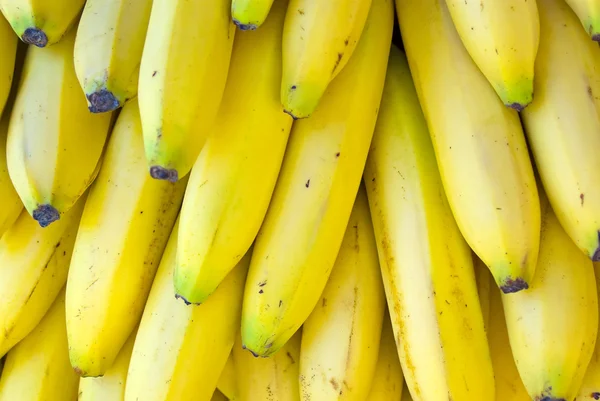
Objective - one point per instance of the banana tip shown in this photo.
(45, 215)
(514, 285)
(517, 106)
(161, 173)
(102, 101)
(185, 301)
(291, 115)
(35, 36)
(596, 38)
(595, 395)
(245, 27)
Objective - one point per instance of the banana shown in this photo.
(588, 12)
(426, 265)
(38, 369)
(342, 334)
(8, 44)
(563, 122)
(54, 143)
(111, 386)
(41, 22)
(181, 350)
(319, 37)
(484, 290)
(10, 203)
(502, 37)
(108, 51)
(274, 378)
(479, 146)
(182, 78)
(227, 383)
(388, 381)
(249, 15)
(314, 194)
(553, 325)
(406, 396)
(124, 229)
(233, 179)
(34, 262)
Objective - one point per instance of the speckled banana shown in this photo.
(588, 12)
(8, 46)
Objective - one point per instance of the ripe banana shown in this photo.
(181, 350)
(54, 143)
(319, 37)
(38, 369)
(227, 383)
(34, 262)
(484, 290)
(124, 229)
(182, 79)
(479, 145)
(426, 265)
(502, 37)
(273, 378)
(8, 44)
(41, 22)
(388, 381)
(10, 203)
(108, 51)
(588, 12)
(314, 195)
(233, 179)
(341, 336)
(563, 122)
(553, 326)
(249, 15)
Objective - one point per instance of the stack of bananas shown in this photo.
(267, 200)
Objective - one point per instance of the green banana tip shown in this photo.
(517, 106)
(35, 36)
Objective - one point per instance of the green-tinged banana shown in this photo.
(249, 15)
(111, 386)
(54, 143)
(124, 229)
(227, 383)
(41, 22)
(108, 51)
(588, 12)
(8, 44)
(273, 378)
(502, 37)
(483, 290)
(319, 37)
(388, 381)
(233, 179)
(563, 122)
(426, 264)
(340, 340)
(34, 262)
(182, 79)
(479, 145)
(218, 396)
(314, 195)
(38, 368)
(10, 203)
(553, 325)
(180, 350)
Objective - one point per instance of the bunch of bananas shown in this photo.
(282, 200)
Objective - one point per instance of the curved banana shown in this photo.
(38, 369)
(51, 171)
(108, 51)
(314, 195)
(124, 229)
(502, 37)
(249, 15)
(34, 262)
(588, 12)
(563, 122)
(553, 326)
(319, 37)
(41, 22)
(227, 383)
(8, 44)
(273, 378)
(343, 331)
(233, 179)
(10, 203)
(479, 145)
(182, 79)
(426, 265)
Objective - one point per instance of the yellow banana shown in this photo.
(426, 265)
(248, 15)
(181, 350)
(124, 229)
(273, 378)
(479, 145)
(41, 22)
(108, 51)
(588, 12)
(38, 369)
(10, 203)
(388, 381)
(233, 179)
(502, 37)
(553, 325)
(227, 383)
(342, 334)
(314, 195)
(111, 386)
(34, 262)
(182, 79)
(483, 290)
(51, 170)
(563, 122)
(319, 37)
(8, 44)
